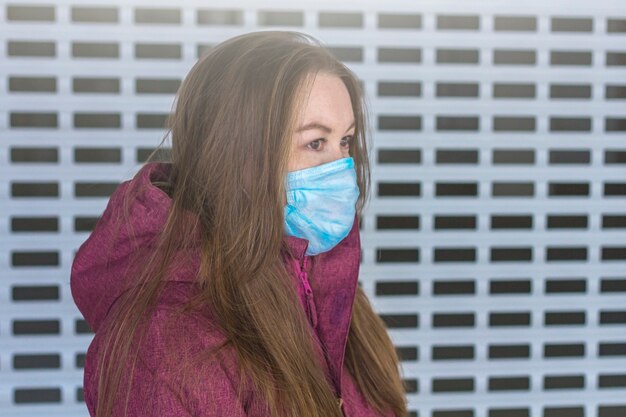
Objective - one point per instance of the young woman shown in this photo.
(224, 282)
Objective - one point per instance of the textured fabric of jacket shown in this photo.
(98, 279)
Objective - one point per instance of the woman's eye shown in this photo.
(316, 143)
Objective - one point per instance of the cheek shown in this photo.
(300, 160)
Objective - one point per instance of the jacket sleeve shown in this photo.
(207, 392)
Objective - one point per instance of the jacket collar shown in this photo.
(98, 278)
(333, 277)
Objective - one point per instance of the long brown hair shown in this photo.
(231, 140)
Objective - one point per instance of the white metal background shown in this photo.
(451, 360)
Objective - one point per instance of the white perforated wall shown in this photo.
(494, 246)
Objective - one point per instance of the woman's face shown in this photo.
(327, 127)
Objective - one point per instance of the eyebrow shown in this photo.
(319, 126)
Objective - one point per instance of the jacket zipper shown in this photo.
(312, 313)
(308, 293)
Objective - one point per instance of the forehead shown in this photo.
(328, 102)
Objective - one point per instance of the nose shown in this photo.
(336, 152)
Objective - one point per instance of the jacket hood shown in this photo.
(98, 269)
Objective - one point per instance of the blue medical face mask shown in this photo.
(321, 203)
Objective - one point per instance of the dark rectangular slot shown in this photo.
(570, 156)
(520, 286)
(35, 293)
(514, 124)
(399, 122)
(608, 285)
(397, 321)
(33, 84)
(399, 89)
(458, 22)
(511, 254)
(570, 253)
(453, 320)
(521, 383)
(454, 255)
(223, 17)
(37, 361)
(30, 13)
(509, 319)
(96, 85)
(398, 189)
(94, 189)
(97, 120)
(36, 395)
(397, 222)
(158, 51)
(399, 156)
(614, 156)
(513, 156)
(565, 286)
(563, 189)
(456, 287)
(97, 155)
(514, 57)
(34, 119)
(456, 189)
(460, 352)
(456, 222)
(34, 155)
(384, 288)
(35, 189)
(514, 90)
(449, 89)
(399, 21)
(564, 318)
(615, 92)
(521, 222)
(553, 350)
(567, 222)
(571, 24)
(280, 18)
(407, 353)
(552, 382)
(571, 58)
(509, 412)
(152, 15)
(612, 349)
(616, 25)
(509, 351)
(457, 56)
(399, 55)
(35, 258)
(32, 48)
(95, 14)
(36, 327)
(95, 50)
(456, 156)
(347, 53)
(460, 123)
(612, 317)
(615, 59)
(453, 384)
(570, 91)
(570, 124)
(397, 255)
(504, 23)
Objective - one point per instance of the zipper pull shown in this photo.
(308, 294)
(340, 404)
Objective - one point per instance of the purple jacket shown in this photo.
(96, 286)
